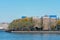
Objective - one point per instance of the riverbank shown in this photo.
(37, 32)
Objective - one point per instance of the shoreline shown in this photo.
(37, 32)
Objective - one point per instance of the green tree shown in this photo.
(21, 24)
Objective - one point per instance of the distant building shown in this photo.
(53, 20)
(37, 22)
(46, 22)
(4, 25)
(49, 21)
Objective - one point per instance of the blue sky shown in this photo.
(14, 9)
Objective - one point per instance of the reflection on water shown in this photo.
(17, 36)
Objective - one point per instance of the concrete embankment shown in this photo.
(37, 32)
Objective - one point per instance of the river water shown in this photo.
(18, 36)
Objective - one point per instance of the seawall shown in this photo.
(37, 32)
